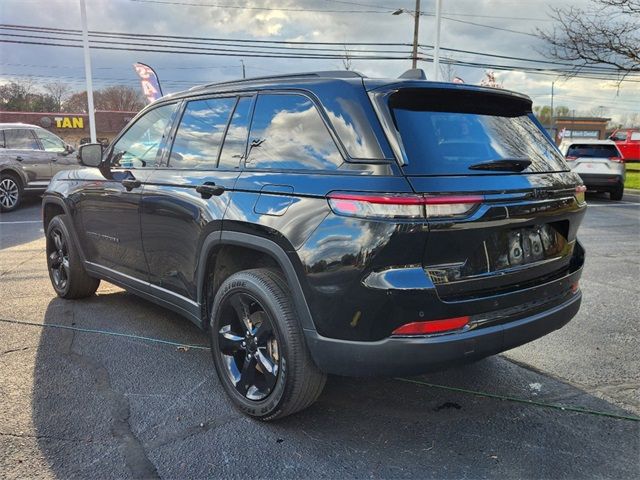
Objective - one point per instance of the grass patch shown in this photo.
(633, 176)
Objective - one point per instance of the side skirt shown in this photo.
(158, 295)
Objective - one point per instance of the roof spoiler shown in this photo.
(414, 74)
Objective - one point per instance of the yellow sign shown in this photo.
(69, 122)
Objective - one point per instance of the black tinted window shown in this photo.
(21, 139)
(449, 143)
(287, 132)
(236, 139)
(139, 147)
(200, 133)
(592, 151)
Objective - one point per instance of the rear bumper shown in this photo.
(602, 180)
(412, 356)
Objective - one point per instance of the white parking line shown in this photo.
(21, 221)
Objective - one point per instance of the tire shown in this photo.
(617, 193)
(68, 276)
(252, 310)
(10, 192)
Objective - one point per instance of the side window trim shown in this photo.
(319, 111)
(108, 154)
(253, 97)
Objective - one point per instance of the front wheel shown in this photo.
(68, 276)
(258, 346)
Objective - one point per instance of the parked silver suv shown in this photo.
(599, 164)
(29, 157)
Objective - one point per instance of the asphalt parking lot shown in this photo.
(78, 401)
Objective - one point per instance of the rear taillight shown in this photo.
(616, 159)
(402, 206)
(571, 158)
(432, 326)
(580, 191)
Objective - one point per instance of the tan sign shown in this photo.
(69, 122)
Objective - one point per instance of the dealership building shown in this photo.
(73, 128)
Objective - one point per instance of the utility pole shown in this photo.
(87, 72)
(416, 27)
(243, 71)
(436, 46)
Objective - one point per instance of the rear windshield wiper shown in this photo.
(503, 164)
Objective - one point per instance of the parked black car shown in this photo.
(329, 223)
(29, 157)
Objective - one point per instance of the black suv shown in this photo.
(328, 223)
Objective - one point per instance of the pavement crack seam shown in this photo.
(13, 350)
(135, 456)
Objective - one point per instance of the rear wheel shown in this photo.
(617, 193)
(67, 274)
(10, 192)
(258, 346)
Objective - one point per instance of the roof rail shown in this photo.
(327, 73)
(414, 74)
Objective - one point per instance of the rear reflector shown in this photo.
(402, 206)
(432, 326)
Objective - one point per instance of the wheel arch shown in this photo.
(52, 206)
(9, 169)
(267, 251)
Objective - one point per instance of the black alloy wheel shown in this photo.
(248, 345)
(66, 270)
(258, 346)
(58, 259)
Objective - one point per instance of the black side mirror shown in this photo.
(90, 154)
(68, 149)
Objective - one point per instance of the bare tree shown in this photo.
(59, 91)
(119, 97)
(608, 33)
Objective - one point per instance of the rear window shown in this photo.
(592, 151)
(448, 134)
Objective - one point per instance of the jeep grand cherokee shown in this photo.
(328, 223)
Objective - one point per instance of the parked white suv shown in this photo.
(599, 164)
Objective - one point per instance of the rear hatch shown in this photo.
(519, 226)
(594, 159)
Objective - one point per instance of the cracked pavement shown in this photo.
(85, 405)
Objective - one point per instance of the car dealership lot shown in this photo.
(77, 400)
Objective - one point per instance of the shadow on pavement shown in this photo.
(106, 406)
(22, 225)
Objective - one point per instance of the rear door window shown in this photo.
(447, 136)
(592, 151)
(287, 133)
(21, 139)
(200, 133)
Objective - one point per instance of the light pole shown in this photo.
(243, 72)
(416, 28)
(87, 72)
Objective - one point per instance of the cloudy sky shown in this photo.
(508, 25)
